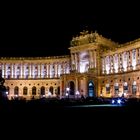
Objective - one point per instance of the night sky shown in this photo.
(43, 29)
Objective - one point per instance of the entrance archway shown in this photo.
(91, 92)
(51, 90)
(16, 90)
(42, 90)
(72, 88)
(134, 88)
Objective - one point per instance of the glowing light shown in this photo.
(113, 101)
(49, 93)
(67, 94)
(67, 89)
(118, 101)
(77, 93)
(6, 92)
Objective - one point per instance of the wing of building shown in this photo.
(96, 66)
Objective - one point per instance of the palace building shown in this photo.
(96, 66)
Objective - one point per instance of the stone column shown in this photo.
(49, 70)
(38, 70)
(20, 70)
(23, 71)
(90, 59)
(76, 83)
(72, 60)
(41, 70)
(137, 55)
(102, 66)
(11, 70)
(30, 70)
(14, 70)
(5, 71)
(55, 69)
(131, 67)
(76, 61)
(95, 59)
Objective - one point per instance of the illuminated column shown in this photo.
(11, 73)
(76, 83)
(76, 61)
(5, 71)
(72, 60)
(110, 64)
(47, 69)
(55, 69)
(137, 55)
(23, 73)
(103, 66)
(20, 70)
(30, 71)
(15, 69)
(38, 70)
(118, 62)
(91, 59)
(64, 68)
(41, 69)
(95, 58)
(128, 66)
(131, 60)
(113, 63)
(61, 93)
(121, 62)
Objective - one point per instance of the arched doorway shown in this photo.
(72, 88)
(116, 89)
(51, 90)
(134, 88)
(125, 87)
(16, 90)
(58, 90)
(25, 90)
(91, 92)
(33, 90)
(42, 90)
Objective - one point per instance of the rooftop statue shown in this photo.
(84, 38)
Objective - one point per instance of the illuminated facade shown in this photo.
(96, 66)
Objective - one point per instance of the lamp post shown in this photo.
(67, 92)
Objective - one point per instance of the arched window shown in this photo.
(134, 88)
(91, 89)
(116, 88)
(51, 90)
(16, 90)
(42, 90)
(25, 91)
(33, 90)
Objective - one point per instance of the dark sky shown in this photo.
(33, 29)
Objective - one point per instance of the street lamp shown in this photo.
(67, 91)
